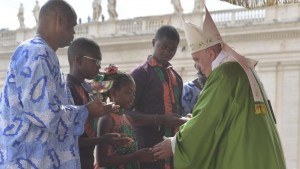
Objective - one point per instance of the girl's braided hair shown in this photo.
(120, 78)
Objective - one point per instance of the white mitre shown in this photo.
(201, 37)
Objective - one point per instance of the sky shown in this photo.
(125, 8)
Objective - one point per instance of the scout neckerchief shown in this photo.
(170, 87)
(171, 94)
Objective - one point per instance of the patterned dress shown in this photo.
(122, 125)
(39, 124)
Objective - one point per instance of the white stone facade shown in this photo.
(270, 35)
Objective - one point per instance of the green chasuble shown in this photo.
(225, 132)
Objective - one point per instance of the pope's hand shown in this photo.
(163, 149)
(97, 108)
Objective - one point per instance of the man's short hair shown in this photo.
(167, 31)
(57, 6)
(82, 47)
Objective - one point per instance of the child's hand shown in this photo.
(144, 155)
(117, 139)
(115, 108)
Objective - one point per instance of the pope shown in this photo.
(233, 126)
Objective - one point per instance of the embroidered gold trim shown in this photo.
(260, 108)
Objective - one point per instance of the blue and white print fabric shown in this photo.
(39, 124)
(189, 97)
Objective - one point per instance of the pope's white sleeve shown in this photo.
(173, 143)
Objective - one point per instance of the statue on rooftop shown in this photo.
(111, 6)
(21, 16)
(36, 11)
(97, 10)
(177, 6)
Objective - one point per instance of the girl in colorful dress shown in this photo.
(125, 157)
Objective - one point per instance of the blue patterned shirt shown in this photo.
(189, 97)
(39, 124)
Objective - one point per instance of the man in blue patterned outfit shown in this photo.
(39, 124)
(190, 93)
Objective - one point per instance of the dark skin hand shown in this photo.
(172, 120)
(163, 149)
(97, 108)
(105, 125)
(169, 120)
(115, 139)
(144, 155)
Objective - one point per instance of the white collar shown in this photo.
(222, 55)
